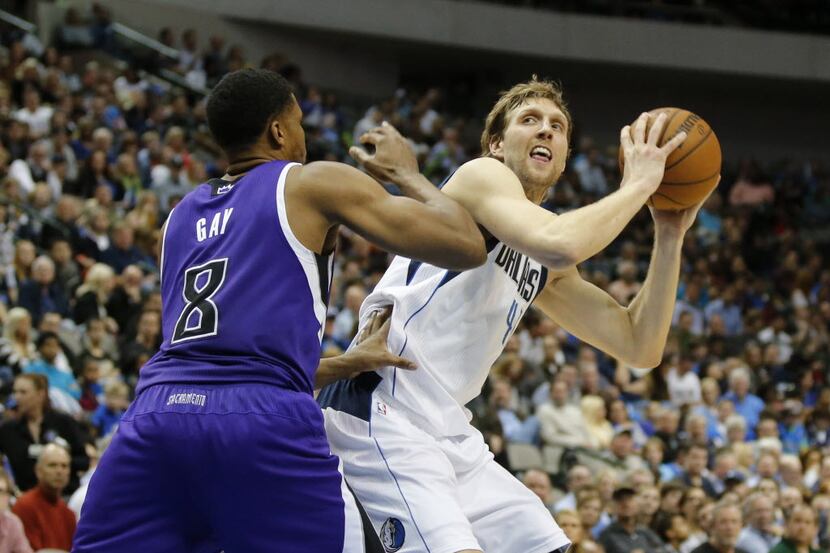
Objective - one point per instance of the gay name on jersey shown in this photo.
(218, 224)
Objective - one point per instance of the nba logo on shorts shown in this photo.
(392, 535)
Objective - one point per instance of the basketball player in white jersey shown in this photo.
(424, 475)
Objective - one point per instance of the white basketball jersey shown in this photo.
(453, 325)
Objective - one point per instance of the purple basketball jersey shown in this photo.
(243, 299)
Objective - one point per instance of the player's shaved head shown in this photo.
(241, 105)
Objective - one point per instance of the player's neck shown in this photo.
(243, 161)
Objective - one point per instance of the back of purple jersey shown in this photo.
(243, 299)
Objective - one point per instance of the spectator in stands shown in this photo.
(569, 522)
(21, 270)
(589, 506)
(17, 349)
(33, 113)
(683, 383)
(124, 305)
(538, 482)
(600, 430)
(108, 415)
(64, 391)
(12, 536)
(626, 286)
(748, 405)
(625, 534)
(699, 515)
(578, 477)
(36, 424)
(726, 527)
(93, 295)
(516, 427)
(47, 520)
(621, 452)
(34, 169)
(802, 529)
(561, 423)
(673, 529)
(648, 497)
(94, 173)
(122, 251)
(41, 294)
(66, 270)
(759, 535)
(137, 351)
(694, 470)
(346, 320)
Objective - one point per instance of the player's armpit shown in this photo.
(437, 231)
(593, 316)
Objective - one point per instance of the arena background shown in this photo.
(758, 72)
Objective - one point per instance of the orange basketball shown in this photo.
(692, 170)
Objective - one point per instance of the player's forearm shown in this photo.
(449, 218)
(332, 369)
(580, 234)
(652, 308)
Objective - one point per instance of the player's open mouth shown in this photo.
(541, 154)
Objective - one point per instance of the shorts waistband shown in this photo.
(225, 399)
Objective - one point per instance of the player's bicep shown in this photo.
(495, 198)
(589, 313)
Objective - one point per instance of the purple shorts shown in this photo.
(201, 468)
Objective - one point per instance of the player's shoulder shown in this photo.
(482, 175)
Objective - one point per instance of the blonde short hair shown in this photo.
(515, 97)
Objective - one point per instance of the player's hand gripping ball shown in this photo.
(693, 169)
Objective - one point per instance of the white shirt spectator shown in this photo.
(684, 389)
(37, 120)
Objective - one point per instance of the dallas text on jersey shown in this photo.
(518, 267)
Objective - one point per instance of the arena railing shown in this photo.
(144, 41)
(18, 22)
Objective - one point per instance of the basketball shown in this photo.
(692, 170)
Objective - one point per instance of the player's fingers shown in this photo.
(383, 331)
(401, 363)
(674, 143)
(383, 316)
(639, 131)
(371, 137)
(359, 155)
(390, 128)
(657, 129)
(625, 137)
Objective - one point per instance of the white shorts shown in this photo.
(418, 500)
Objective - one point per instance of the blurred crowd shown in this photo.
(727, 438)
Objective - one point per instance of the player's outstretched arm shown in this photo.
(636, 335)
(425, 224)
(497, 201)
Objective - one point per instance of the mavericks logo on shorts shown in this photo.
(392, 534)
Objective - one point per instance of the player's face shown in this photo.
(535, 142)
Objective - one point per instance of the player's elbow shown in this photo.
(472, 252)
(559, 254)
(643, 358)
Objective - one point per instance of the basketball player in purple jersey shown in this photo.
(224, 447)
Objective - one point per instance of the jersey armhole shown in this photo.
(163, 240)
(282, 216)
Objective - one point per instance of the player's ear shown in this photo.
(497, 147)
(276, 134)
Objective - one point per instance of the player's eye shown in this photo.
(529, 119)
